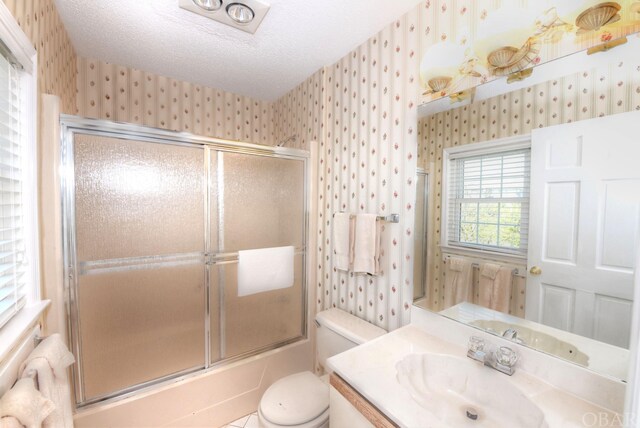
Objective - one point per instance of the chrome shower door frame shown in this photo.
(71, 125)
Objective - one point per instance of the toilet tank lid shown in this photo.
(353, 328)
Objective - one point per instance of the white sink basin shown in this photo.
(455, 389)
(538, 340)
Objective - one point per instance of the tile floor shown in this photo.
(249, 421)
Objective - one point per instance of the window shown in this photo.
(18, 203)
(488, 200)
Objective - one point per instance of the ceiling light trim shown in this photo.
(202, 4)
(234, 8)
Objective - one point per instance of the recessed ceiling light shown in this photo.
(245, 15)
(208, 5)
(240, 13)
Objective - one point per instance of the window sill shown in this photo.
(21, 323)
(514, 259)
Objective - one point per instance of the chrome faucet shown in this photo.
(512, 335)
(502, 359)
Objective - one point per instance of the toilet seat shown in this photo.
(299, 400)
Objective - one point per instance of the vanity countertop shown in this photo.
(371, 370)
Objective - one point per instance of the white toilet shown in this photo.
(301, 400)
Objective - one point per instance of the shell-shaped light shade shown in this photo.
(443, 59)
(507, 26)
(568, 10)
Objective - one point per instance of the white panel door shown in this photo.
(584, 226)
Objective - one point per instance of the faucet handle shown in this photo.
(506, 356)
(476, 344)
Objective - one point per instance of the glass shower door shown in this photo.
(258, 202)
(141, 295)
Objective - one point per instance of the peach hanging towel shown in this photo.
(458, 284)
(495, 287)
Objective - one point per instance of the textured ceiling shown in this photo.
(296, 38)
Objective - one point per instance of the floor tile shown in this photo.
(252, 422)
(240, 423)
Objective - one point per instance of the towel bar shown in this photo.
(391, 218)
(515, 271)
(37, 339)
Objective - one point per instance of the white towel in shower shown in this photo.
(367, 244)
(265, 269)
(458, 282)
(495, 287)
(343, 240)
(26, 404)
(47, 364)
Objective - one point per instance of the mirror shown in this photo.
(558, 252)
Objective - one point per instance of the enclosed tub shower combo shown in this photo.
(182, 253)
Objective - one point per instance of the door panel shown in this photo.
(561, 219)
(584, 226)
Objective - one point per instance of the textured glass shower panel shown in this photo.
(140, 325)
(137, 199)
(259, 320)
(140, 216)
(263, 202)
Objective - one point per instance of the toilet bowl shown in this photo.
(301, 400)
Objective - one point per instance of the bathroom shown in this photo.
(200, 179)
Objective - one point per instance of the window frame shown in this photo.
(476, 149)
(25, 55)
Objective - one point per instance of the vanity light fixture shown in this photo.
(240, 13)
(245, 15)
(508, 41)
(588, 15)
(441, 64)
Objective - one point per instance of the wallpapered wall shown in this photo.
(610, 89)
(114, 92)
(40, 21)
(368, 141)
(300, 113)
(366, 118)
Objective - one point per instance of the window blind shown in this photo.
(488, 201)
(12, 245)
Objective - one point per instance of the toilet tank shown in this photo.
(339, 331)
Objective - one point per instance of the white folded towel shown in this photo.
(55, 352)
(265, 269)
(367, 244)
(25, 403)
(55, 389)
(10, 422)
(47, 364)
(343, 240)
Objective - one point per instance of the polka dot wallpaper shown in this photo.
(40, 21)
(363, 111)
(114, 92)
